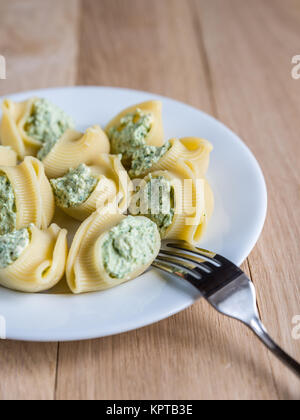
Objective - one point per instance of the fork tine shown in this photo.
(207, 256)
(199, 262)
(182, 268)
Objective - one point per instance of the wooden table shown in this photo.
(232, 59)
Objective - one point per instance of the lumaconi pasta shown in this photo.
(32, 125)
(90, 176)
(42, 263)
(113, 184)
(155, 136)
(183, 214)
(191, 152)
(74, 148)
(8, 156)
(85, 267)
(12, 131)
(33, 193)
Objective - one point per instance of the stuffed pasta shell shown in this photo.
(25, 196)
(74, 148)
(8, 156)
(134, 128)
(190, 152)
(33, 260)
(180, 206)
(86, 188)
(32, 126)
(110, 249)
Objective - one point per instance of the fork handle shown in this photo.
(257, 327)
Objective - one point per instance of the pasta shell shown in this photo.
(74, 148)
(156, 134)
(41, 265)
(85, 271)
(8, 156)
(12, 131)
(33, 193)
(194, 205)
(189, 152)
(114, 185)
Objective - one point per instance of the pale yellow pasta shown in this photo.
(74, 148)
(12, 132)
(190, 152)
(8, 156)
(114, 187)
(42, 263)
(155, 136)
(85, 271)
(33, 193)
(194, 203)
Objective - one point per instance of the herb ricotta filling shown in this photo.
(8, 211)
(128, 246)
(130, 134)
(12, 246)
(144, 158)
(157, 202)
(46, 124)
(75, 187)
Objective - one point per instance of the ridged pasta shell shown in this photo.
(33, 193)
(74, 148)
(114, 184)
(8, 156)
(156, 134)
(12, 133)
(194, 205)
(191, 152)
(85, 272)
(42, 264)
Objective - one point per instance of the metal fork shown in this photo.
(224, 285)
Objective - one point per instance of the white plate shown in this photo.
(241, 202)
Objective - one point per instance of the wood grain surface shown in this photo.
(232, 59)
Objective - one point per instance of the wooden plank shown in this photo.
(40, 47)
(27, 370)
(149, 45)
(39, 43)
(158, 46)
(250, 46)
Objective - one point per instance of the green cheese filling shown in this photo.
(8, 209)
(144, 158)
(157, 202)
(75, 187)
(12, 246)
(130, 134)
(46, 124)
(128, 246)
